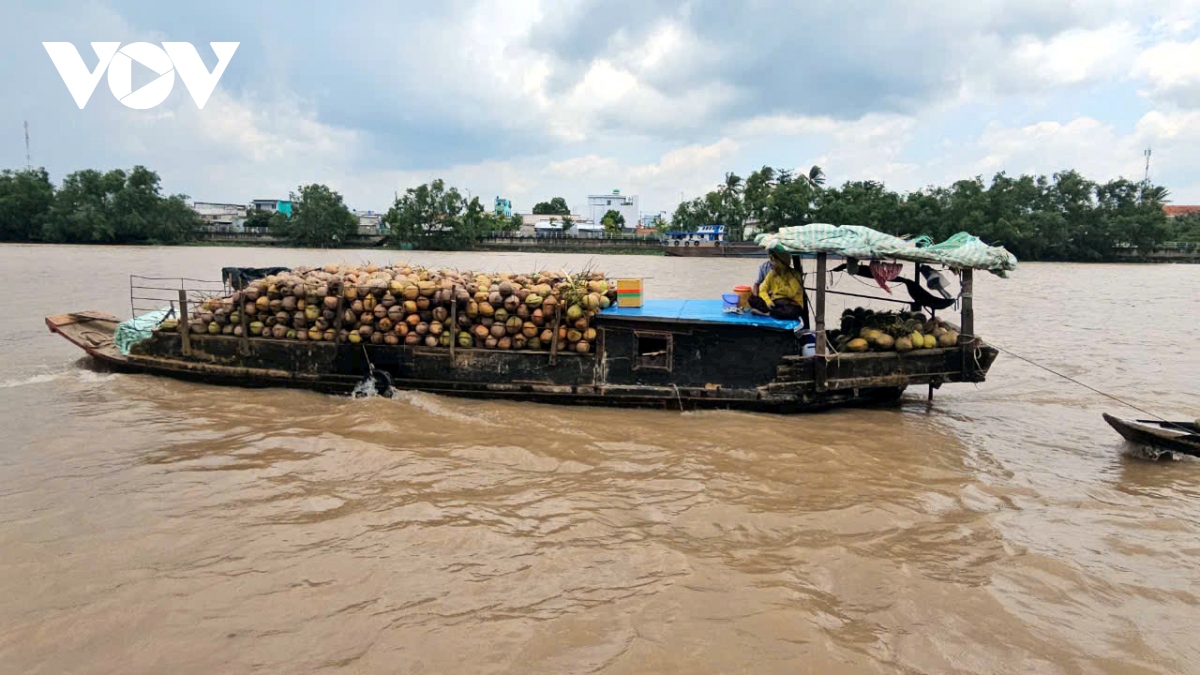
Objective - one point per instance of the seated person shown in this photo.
(781, 293)
(763, 269)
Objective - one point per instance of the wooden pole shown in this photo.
(453, 323)
(554, 335)
(244, 347)
(967, 334)
(819, 323)
(341, 309)
(185, 334)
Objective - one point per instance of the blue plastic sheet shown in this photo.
(708, 311)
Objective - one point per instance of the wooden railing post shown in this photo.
(341, 309)
(244, 340)
(453, 323)
(185, 335)
(819, 324)
(554, 334)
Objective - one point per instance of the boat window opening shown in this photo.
(652, 350)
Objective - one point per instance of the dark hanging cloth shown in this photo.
(935, 281)
(921, 298)
(238, 278)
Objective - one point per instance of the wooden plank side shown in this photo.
(819, 324)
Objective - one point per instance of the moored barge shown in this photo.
(672, 354)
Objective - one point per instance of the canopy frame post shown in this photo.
(819, 324)
(967, 334)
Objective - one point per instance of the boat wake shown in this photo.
(1152, 454)
(42, 378)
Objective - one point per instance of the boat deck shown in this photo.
(703, 311)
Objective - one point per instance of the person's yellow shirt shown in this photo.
(786, 285)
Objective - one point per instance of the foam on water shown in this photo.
(42, 378)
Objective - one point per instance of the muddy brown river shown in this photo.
(153, 526)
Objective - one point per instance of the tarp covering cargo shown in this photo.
(962, 251)
(239, 277)
(138, 328)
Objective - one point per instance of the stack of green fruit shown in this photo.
(866, 330)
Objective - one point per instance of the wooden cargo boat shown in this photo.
(715, 250)
(672, 354)
(1183, 437)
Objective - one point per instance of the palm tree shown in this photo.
(732, 185)
(815, 177)
(1155, 193)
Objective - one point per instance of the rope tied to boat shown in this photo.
(1082, 384)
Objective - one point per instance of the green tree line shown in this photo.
(119, 207)
(1059, 217)
(432, 216)
(93, 207)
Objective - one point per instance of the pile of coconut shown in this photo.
(413, 306)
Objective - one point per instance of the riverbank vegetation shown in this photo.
(91, 207)
(1061, 217)
(435, 217)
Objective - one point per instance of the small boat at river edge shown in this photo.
(675, 354)
(1181, 437)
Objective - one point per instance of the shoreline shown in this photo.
(1188, 259)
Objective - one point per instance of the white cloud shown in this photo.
(1076, 56)
(663, 105)
(1172, 70)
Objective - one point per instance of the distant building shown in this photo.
(587, 229)
(529, 222)
(272, 205)
(370, 223)
(626, 205)
(1176, 211)
(548, 228)
(503, 207)
(651, 221)
(220, 217)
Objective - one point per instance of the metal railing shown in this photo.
(150, 294)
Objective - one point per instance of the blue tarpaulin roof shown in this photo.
(708, 311)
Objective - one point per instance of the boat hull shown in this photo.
(1172, 436)
(726, 250)
(713, 366)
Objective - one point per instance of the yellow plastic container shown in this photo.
(743, 293)
(629, 292)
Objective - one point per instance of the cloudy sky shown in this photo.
(532, 99)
